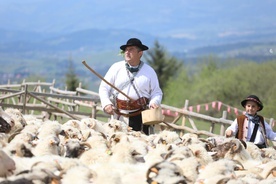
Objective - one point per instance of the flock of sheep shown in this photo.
(91, 151)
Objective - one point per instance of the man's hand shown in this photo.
(109, 109)
(153, 106)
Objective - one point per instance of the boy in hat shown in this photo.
(137, 80)
(251, 127)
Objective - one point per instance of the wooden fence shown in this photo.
(47, 102)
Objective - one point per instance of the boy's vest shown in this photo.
(240, 120)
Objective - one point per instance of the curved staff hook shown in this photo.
(98, 75)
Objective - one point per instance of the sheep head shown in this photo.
(165, 172)
(5, 127)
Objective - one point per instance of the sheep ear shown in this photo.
(62, 133)
(236, 146)
(170, 148)
(154, 169)
(112, 136)
(134, 152)
(104, 136)
(271, 171)
(187, 141)
(117, 139)
(52, 142)
(85, 145)
(164, 155)
(197, 153)
(151, 173)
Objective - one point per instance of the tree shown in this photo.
(166, 67)
(72, 81)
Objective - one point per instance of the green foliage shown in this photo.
(229, 84)
(176, 92)
(165, 66)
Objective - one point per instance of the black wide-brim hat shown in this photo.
(253, 98)
(134, 42)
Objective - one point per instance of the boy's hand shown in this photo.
(228, 133)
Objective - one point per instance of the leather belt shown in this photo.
(140, 103)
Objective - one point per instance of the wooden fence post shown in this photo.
(184, 118)
(94, 110)
(222, 126)
(25, 99)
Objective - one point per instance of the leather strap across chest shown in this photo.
(240, 133)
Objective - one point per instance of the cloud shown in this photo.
(234, 33)
(184, 35)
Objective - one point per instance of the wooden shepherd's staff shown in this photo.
(98, 75)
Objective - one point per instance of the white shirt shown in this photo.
(145, 81)
(250, 126)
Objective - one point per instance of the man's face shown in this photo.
(133, 55)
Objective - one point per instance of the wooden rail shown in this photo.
(35, 98)
(43, 98)
(187, 116)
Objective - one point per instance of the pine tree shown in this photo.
(72, 80)
(165, 67)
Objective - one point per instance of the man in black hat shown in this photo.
(138, 85)
(251, 127)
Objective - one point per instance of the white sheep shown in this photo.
(32, 119)
(268, 154)
(71, 132)
(92, 123)
(95, 155)
(19, 148)
(4, 138)
(125, 152)
(167, 137)
(73, 148)
(114, 126)
(78, 174)
(103, 174)
(254, 151)
(157, 153)
(17, 116)
(6, 116)
(190, 168)
(47, 146)
(7, 164)
(74, 123)
(49, 128)
(165, 172)
(97, 140)
(201, 153)
(223, 167)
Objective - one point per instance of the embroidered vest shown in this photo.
(240, 120)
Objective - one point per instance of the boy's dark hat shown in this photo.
(134, 42)
(253, 98)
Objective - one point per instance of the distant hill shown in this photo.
(48, 56)
(37, 38)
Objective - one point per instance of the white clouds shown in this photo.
(235, 33)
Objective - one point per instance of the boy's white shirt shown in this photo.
(259, 136)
